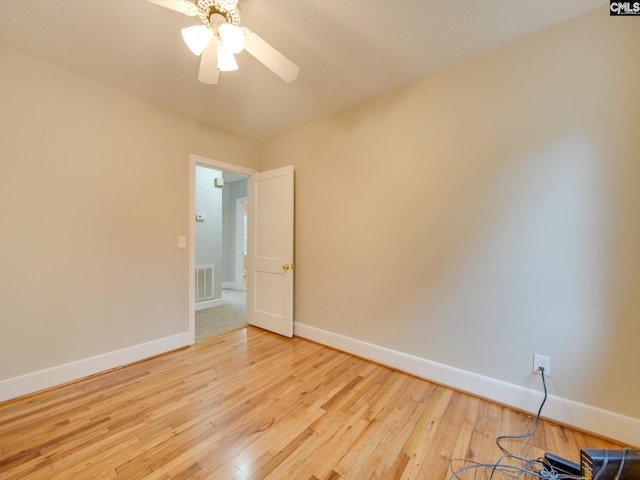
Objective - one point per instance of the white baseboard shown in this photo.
(234, 285)
(216, 302)
(585, 417)
(58, 375)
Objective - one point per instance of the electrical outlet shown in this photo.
(541, 361)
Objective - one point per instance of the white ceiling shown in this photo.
(347, 50)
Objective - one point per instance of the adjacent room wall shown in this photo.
(93, 196)
(486, 213)
(209, 233)
(231, 193)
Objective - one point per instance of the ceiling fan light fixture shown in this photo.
(220, 37)
(232, 37)
(197, 38)
(226, 60)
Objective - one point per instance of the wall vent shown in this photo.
(204, 282)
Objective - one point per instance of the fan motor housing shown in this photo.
(226, 9)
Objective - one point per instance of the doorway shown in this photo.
(221, 297)
(217, 284)
(241, 243)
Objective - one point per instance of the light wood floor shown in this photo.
(252, 405)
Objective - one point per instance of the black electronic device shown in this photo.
(554, 463)
(610, 464)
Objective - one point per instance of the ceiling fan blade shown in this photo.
(185, 7)
(209, 65)
(270, 57)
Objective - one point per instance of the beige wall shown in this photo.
(93, 195)
(486, 213)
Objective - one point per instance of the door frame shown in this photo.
(197, 160)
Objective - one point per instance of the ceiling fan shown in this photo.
(220, 37)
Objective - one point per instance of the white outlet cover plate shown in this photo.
(542, 361)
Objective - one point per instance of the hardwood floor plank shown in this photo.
(392, 412)
(251, 405)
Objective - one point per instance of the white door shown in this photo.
(270, 251)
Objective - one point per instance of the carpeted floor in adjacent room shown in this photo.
(231, 315)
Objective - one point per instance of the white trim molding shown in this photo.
(51, 377)
(216, 302)
(585, 417)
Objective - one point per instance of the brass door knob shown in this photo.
(286, 266)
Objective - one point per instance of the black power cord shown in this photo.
(528, 434)
(534, 468)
